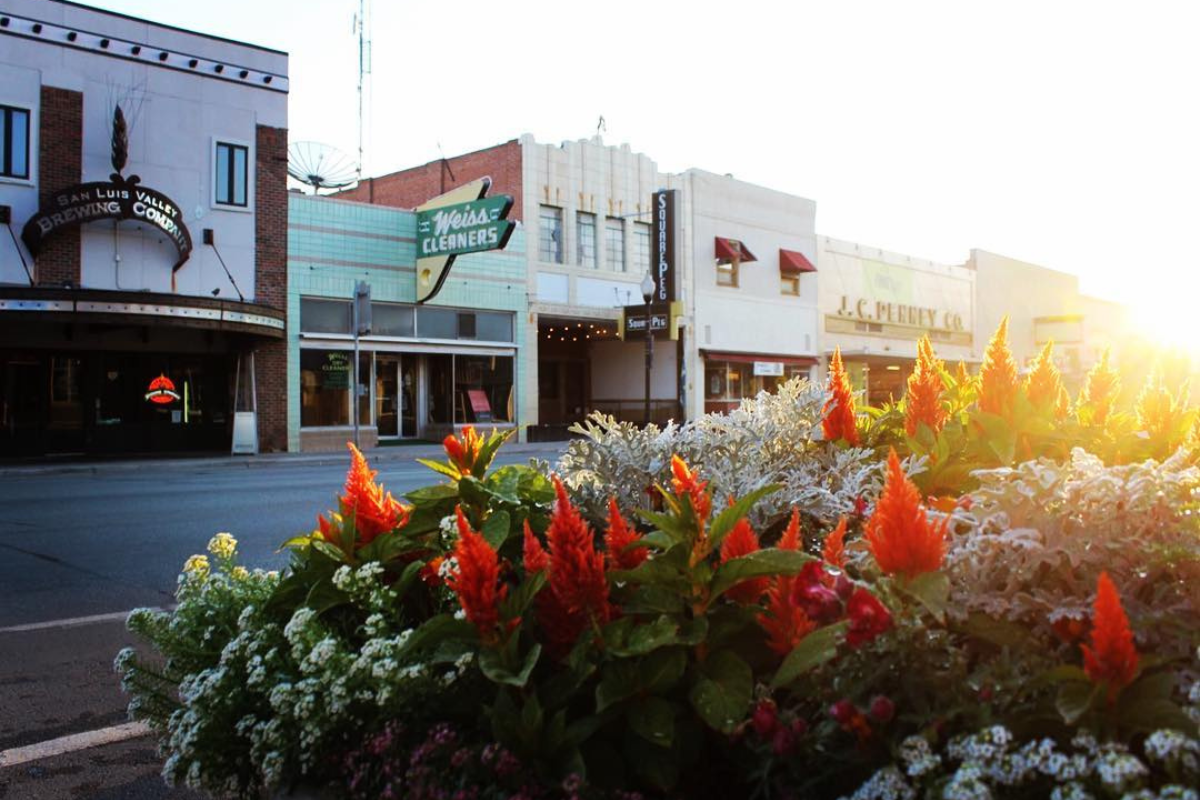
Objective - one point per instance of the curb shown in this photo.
(376, 456)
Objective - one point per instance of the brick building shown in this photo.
(144, 287)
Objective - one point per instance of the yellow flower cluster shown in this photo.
(223, 546)
(196, 567)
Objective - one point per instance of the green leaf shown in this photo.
(298, 542)
(618, 681)
(329, 551)
(439, 467)
(657, 540)
(672, 526)
(653, 600)
(1075, 699)
(930, 589)
(438, 629)
(406, 579)
(496, 529)
(770, 561)
(433, 494)
(653, 718)
(505, 483)
(1146, 705)
(496, 666)
(662, 669)
(657, 572)
(724, 522)
(658, 766)
(645, 638)
(487, 451)
(819, 647)
(722, 694)
(522, 596)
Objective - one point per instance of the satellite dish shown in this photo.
(320, 166)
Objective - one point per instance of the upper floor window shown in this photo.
(727, 273)
(14, 142)
(789, 284)
(550, 239)
(233, 174)
(641, 247)
(585, 226)
(614, 243)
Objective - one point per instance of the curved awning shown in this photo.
(141, 308)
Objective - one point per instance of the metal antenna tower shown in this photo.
(364, 68)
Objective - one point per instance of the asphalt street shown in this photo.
(96, 541)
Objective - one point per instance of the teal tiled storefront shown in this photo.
(333, 244)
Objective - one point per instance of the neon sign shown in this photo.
(162, 391)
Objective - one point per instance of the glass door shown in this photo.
(387, 395)
(408, 397)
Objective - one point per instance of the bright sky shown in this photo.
(1062, 133)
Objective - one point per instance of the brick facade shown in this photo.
(270, 281)
(60, 164)
(411, 187)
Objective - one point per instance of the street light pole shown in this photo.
(648, 296)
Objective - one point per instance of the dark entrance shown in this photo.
(103, 402)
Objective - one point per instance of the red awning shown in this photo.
(732, 250)
(750, 358)
(793, 263)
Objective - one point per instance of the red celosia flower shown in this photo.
(374, 511)
(838, 418)
(1069, 629)
(620, 541)
(1044, 385)
(742, 541)
(431, 572)
(833, 551)
(923, 399)
(463, 452)
(1100, 389)
(899, 533)
(476, 581)
(576, 594)
(998, 380)
(686, 481)
(1112, 659)
(536, 557)
(791, 535)
(868, 617)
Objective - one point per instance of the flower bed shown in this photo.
(770, 603)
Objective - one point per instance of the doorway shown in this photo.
(396, 396)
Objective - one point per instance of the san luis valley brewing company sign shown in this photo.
(460, 221)
(120, 198)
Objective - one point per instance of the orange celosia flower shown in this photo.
(899, 533)
(1158, 413)
(783, 619)
(535, 556)
(923, 400)
(833, 551)
(838, 417)
(1111, 660)
(791, 535)
(476, 581)
(1100, 389)
(998, 380)
(1062, 405)
(463, 452)
(619, 541)
(686, 481)
(577, 588)
(742, 541)
(373, 510)
(1044, 385)
(961, 376)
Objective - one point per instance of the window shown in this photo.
(641, 247)
(614, 243)
(466, 325)
(550, 235)
(727, 273)
(232, 174)
(324, 316)
(585, 241)
(437, 323)
(389, 319)
(485, 388)
(789, 284)
(325, 377)
(494, 326)
(14, 142)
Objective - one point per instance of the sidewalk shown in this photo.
(378, 455)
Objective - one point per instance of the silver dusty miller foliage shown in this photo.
(772, 438)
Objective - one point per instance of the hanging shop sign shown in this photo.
(633, 321)
(161, 391)
(119, 198)
(665, 205)
(463, 220)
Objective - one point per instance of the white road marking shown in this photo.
(72, 743)
(71, 622)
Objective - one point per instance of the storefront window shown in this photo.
(440, 398)
(494, 326)
(437, 323)
(388, 319)
(484, 385)
(325, 378)
(324, 316)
